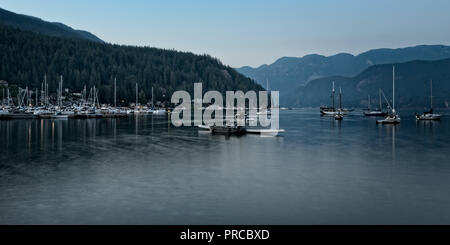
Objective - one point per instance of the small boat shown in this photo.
(393, 117)
(4, 111)
(67, 112)
(159, 112)
(429, 115)
(59, 115)
(376, 113)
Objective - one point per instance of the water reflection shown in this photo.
(141, 170)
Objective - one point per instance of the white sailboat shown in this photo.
(391, 118)
(429, 115)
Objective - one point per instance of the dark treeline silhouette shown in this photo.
(26, 56)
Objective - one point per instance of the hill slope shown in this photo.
(26, 56)
(412, 86)
(29, 23)
(289, 72)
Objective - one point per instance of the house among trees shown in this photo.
(3, 83)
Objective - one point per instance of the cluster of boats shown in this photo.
(390, 114)
(57, 108)
(75, 111)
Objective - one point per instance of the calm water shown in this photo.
(144, 171)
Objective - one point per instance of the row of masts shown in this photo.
(24, 95)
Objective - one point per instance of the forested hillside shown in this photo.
(26, 56)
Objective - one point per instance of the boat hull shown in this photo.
(428, 117)
(332, 113)
(225, 130)
(389, 121)
(375, 114)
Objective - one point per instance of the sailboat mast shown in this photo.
(340, 98)
(27, 95)
(431, 96)
(45, 89)
(332, 95)
(60, 92)
(368, 102)
(153, 105)
(393, 89)
(42, 87)
(9, 97)
(136, 94)
(379, 94)
(115, 90)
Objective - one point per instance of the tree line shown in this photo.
(26, 57)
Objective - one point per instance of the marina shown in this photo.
(45, 106)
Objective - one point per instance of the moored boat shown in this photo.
(429, 115)
(59, 115)
(378, 112)
(393, 117)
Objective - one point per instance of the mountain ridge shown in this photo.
(287, 73)
(412, 86)
(38, 25)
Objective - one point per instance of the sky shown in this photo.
(251, 32)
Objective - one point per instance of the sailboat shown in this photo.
(378, 112)
(392, 118)
(331, 111)
(429, 115)
(157, 111)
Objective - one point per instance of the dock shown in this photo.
(235, 130)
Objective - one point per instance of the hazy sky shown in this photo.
(241, 32)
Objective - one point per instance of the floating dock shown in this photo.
(240, 130)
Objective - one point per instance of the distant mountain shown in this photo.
(29, 23)
(412, 86)
(289, 72)
(26, 56)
